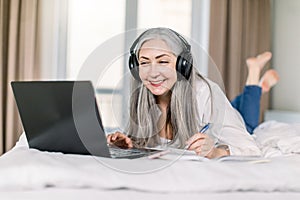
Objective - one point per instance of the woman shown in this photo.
(171, 102)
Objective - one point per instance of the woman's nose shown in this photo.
(153, 71)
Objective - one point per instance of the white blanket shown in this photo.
(277, 138)
(24, 168)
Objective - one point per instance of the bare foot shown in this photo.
(259, 61)
(255, 65)
(268, 80)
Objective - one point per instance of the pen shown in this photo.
(203, 129)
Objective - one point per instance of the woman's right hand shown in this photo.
(119, 139)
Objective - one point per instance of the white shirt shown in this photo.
(227, 125)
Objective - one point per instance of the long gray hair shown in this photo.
(182, 113)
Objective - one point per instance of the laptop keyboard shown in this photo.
(127, 153)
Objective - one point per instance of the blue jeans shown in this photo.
(248, 105)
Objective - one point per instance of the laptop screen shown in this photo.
(61, 116)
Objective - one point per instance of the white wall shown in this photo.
(286, 54)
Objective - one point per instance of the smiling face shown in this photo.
(157, 67)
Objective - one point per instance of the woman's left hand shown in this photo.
(202, 144)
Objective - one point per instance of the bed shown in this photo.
(31, 174)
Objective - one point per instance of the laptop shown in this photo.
(63, 116)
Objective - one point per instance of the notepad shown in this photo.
(181, 154)
(178, 154)
(250, 159)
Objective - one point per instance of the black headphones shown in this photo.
(184, 62)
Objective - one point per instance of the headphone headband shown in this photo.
(183, 40)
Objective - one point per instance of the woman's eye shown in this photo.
(163, 62)
(143, 63)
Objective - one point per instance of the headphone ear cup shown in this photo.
(134, 66)
(184, 64)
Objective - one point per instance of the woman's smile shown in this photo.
(156, 83)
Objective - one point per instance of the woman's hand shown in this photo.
(202, 144)
(119, 139)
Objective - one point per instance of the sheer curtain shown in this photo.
(18, 61)
(238, 29)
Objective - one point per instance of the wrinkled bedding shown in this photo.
(278, 138)
(23, 169)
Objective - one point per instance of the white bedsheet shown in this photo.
(24, 168)
(278, 138)
(94, 194)
(28, 169)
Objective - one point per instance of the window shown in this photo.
(174, 14)
(92, 22)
